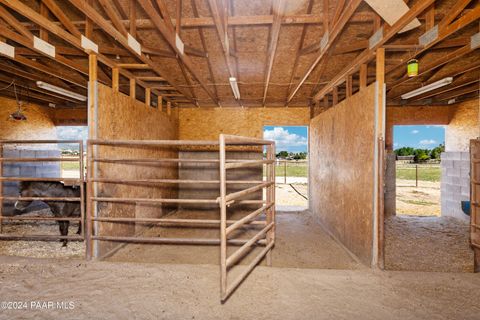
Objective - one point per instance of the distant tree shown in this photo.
(282, 154)
(436, 152)
(421, 155)
(405, 151)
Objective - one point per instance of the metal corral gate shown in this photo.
(17, 178)
(265, 237)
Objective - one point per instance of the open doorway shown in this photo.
(71, 169)
(422, 233)
(418, 152)
(291, 169)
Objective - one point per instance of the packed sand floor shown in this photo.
(106, 290)
(300, 243)
(427, 244)
(294, 194)
(423, 200)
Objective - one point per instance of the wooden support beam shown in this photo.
(140, 66)
(133, 17)
(171, 40)
(380, 79)
(178, 22)
(88, 23)
(369, 53)
(151, 79)
(115, 79)
(349, 86)
(92, 94)
(133, 86)
(278, 9)
(363, 76)
(114, 17)
(160, 103)
(335, 95)
(13, 22)
(44, 12)
(148, 94)
(169, 108)
(62, 17)
(430, 17)
(332, 36)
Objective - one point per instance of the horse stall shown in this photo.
(37, 203)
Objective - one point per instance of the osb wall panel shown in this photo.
(120, 117)
(38, 125)
(414, 115)
(463, 126)
(342, 144)
(70, 117)
(208, 123)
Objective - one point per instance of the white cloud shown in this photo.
(414, 131)
(427, 142)
(285, 139)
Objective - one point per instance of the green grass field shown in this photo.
(293, 170)
(70, 165)
(425, 173)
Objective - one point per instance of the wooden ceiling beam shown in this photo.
(332, 36)
(299, 50)
(62, 17)
(13, 22)
(113, 16)
(466, 90)
(252, 20)
(222, 34)
(369, 53)
(278, 9)
(453, 86)
(93, 15)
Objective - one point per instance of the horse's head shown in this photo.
(25, 191)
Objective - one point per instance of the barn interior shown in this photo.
(176, 92)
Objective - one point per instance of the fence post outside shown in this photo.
(416, 176)
(285, 171)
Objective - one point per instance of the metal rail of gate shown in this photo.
(267, 234)
(79, 181)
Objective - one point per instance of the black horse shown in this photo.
(59, 209)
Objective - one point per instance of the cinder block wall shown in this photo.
(27, 169)
(455, 183)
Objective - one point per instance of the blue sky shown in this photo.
(291, 139)
(425, 137)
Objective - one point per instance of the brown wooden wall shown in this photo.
(208, 123)
(121, 117)
(342, 141)
(38, 125)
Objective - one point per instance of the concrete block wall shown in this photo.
(455, 183)
(27, 169)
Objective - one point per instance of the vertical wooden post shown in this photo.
(169, 108)
(285, 172)
(430, 17)
(92, 134)
(92, 94)
(379, 212)
(132, 88)
(270, 193)
(1, 189)
(115, 79)
(44, 12)
(325, 102)
(416, 176)
(349, 85)
(363, 76)
(160, 103)
(335, 95)
(147, 96)
(223, 219)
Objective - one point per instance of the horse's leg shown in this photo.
(64, 231)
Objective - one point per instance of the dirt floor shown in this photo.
(294, 194)
(421, 201)
(427, 244)
(105, 290)
(300, 243)
(40, 249)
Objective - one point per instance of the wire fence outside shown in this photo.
(413, 174)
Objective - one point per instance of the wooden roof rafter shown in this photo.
(332, 36)
(369, 53)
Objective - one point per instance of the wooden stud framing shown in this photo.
(148, 95)
(133, 86)
(115, 79)
(363, 76)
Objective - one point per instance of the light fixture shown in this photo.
(427, 88)
(412, 68)
(64, 92)
(234, 85)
